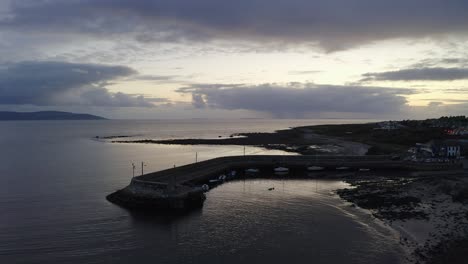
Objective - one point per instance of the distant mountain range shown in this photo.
(46, 115)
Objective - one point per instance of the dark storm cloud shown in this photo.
(422, 74)
(334, 24)
(296, 99)
(60, 83)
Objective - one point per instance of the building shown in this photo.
(463, 131)
(388, 125)
(453, 151)
(438, 149)
(446, 148)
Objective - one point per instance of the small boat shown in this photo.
(222, 177)
(252, 170)
(315, 168)
(214, 181)
(281, 169)
(364, 169)
(342, 168)
(271, 189)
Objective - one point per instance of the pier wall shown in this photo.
(180, 187)
(201, 170)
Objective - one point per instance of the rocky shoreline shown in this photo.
(299, 140)
(429, 213)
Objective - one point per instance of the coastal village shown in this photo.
(439, 140)
(449, 146)
(429, 211)
(424, 197)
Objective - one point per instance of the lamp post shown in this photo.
(133, 170)
(142, 165)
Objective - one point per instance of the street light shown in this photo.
(133, 170)
(142, 165)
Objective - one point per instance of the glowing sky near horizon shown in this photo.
(190, 59)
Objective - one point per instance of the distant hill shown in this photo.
(46, 115)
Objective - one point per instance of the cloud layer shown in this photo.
(63, 83)
(297, 100)
(418, 74)
(333, 24)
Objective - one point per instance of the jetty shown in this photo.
(184, 187)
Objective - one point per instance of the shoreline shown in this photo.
(420, 209)
(335, 139)
(300, 140)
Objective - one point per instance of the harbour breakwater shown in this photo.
(183, 187)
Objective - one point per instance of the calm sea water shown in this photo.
(54, 176)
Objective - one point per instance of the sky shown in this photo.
(137, 59)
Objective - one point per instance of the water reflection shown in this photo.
(163, 218)
(54, 180)
(300, 221)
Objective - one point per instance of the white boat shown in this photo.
(281, 169)
(222, 177)
(364, 169)
(252, 170)
(342, 168)
(315, 168)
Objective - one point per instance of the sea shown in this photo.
(55, 175)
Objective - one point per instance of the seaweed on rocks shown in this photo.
(383, 198)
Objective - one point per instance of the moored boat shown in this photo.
(281, 169)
